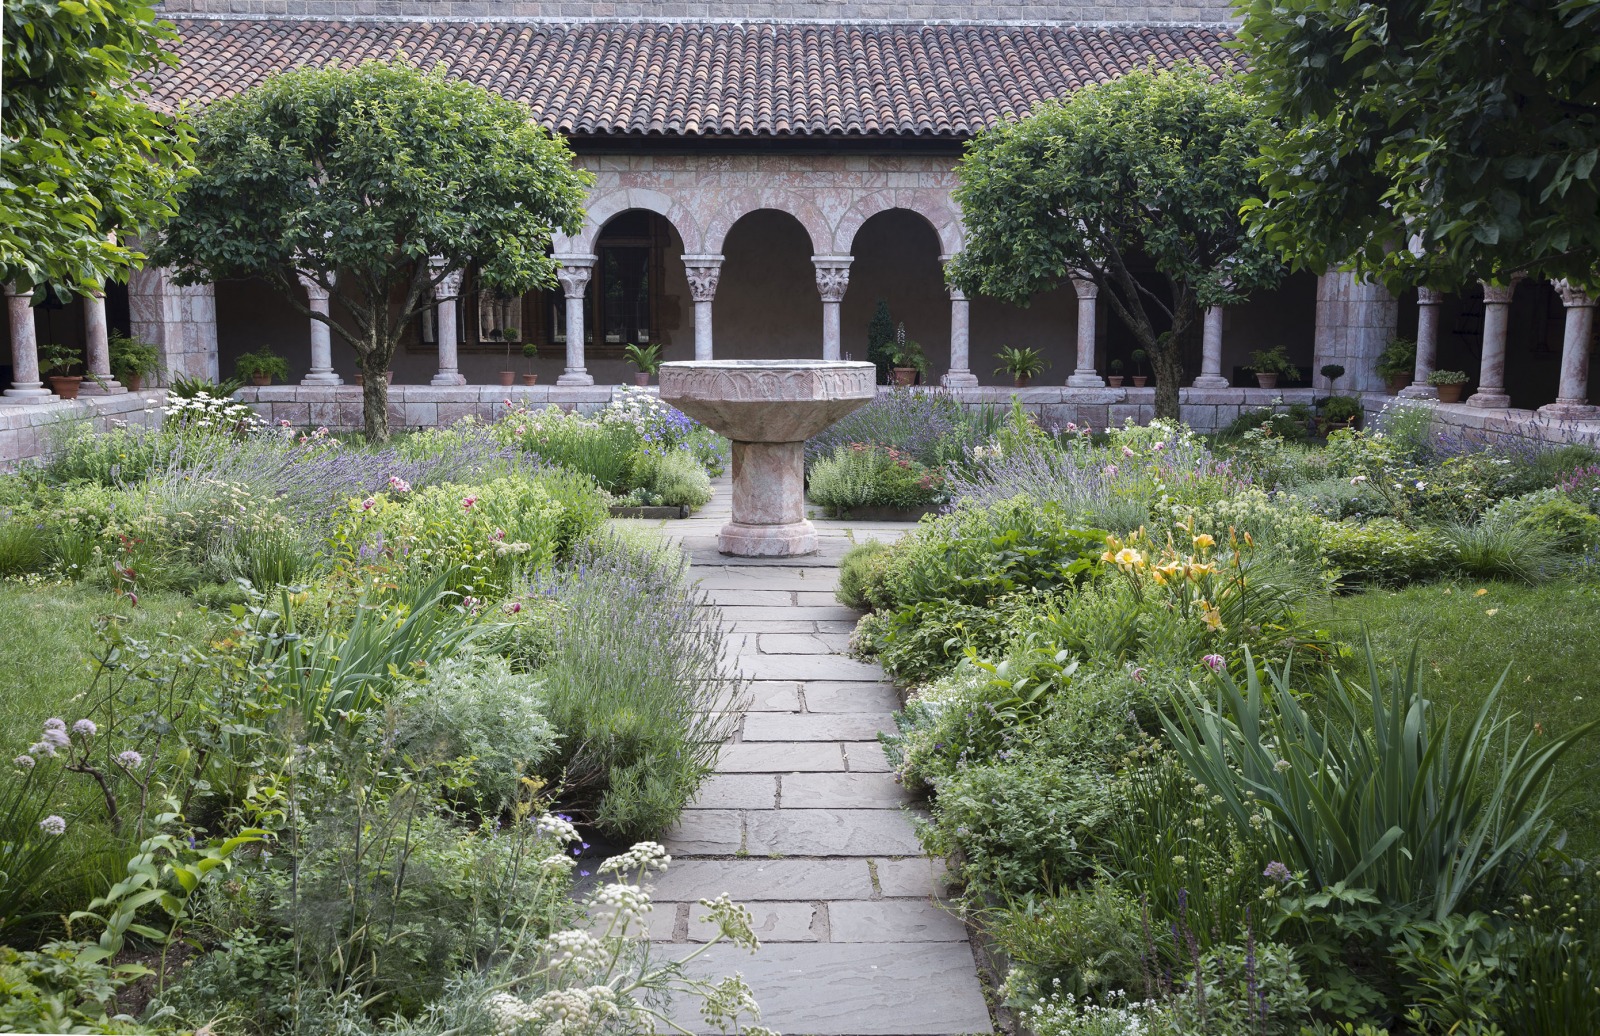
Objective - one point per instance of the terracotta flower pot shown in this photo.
(905, 376)
(530, 379)
(508, 377)
(260, 379)
(1266, 380)
(1114, 380)
(1397, 382)
(1020, 380)
(66, 385)
(1140, 379)
(1450, 393)
(133, 382)
(641, 378)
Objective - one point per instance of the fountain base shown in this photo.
(768, 541)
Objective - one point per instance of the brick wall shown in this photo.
(1208, 12)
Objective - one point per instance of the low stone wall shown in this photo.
(27, 430)
(411, 407)
(1204, 410)
(1479, 422)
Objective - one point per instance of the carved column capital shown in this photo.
(1085, 286)
(14, 292)
(955, 293)
(1429, 297)
(447, 286)
(833, 276)
(574, 273)
(315, 292)
(1500, 294)
(1572, 296)
(704, 272)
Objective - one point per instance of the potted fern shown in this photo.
(530, 350)
(1397, 364)
(646, 359)
(908, 359)
(1021, 364)
(261, 366)
(1270, 364)
(57, 363)
(132, 360)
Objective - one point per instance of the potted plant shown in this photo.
(1114, 379)
(1397, 363)
(1021, 364)
(261, 366)
(1333, 372)
(1139, 357)
(1269, 365)
(647, 360)
(132, 360)
(1449, 384)
(530, 350)
(908, 359)
(56, 362)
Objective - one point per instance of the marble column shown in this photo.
(321, 372)
(26, 386)
(1491, 392)
(446, 293)
(1428, 303)
(1211, 375)
(1572, 398)
(960, 374)
(1085, 375)
(574, 277)
(704, 271)
(833, 277)
(97, 379)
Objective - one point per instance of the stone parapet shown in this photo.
(27, 430)
(1460, 419)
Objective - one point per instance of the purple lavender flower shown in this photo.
(84, 728)
(130, 759)
(25, 761)
(1214, 662)
(1277, 872)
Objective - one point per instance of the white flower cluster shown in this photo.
(576, 949)
(636, 406)
(207, 412)
(643, 858)
(559, 828)
(560, 1012)
(629, 902)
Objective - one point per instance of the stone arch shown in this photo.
(935, 206)
(767, 304)
(733, 206)
(606, 205)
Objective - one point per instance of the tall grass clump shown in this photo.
(1490, 550)
(635, 683)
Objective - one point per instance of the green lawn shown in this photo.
(1548, 636)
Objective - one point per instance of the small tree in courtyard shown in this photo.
(1472, 128)
(1149, 170)
(354, 179)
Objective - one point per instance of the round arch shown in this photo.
(606, 206)
(767, 305)
(736, 205)
(936, 208)
(897, 261)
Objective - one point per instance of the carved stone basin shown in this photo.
(769, 408)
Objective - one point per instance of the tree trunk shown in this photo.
(1168, 364)
(375, 395)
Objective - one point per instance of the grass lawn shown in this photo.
(1468, 633)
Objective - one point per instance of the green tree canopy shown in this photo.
(1468, 127)
(355, 178)
(82, 157)
(1148, 169)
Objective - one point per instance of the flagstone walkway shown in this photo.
(805, 824)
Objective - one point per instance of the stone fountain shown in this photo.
(769, 408)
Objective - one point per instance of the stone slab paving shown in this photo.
(804, 822)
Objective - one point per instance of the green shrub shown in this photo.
(24, 541)
(1550, 513)
(1339, 411)
(864, 475)
(1523, 553)
(116, 457)
(675, 478)
(1087, 942)
(1383, 551)
(924, 640)
(860, 571)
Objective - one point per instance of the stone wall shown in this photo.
(28, 431)
(1355, 320)
(181, 321)
(1202, 12)
(1479, 424)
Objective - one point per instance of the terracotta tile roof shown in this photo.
(712, 79)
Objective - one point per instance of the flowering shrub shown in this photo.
(206, 413)
(864, 475)
(1382, 551)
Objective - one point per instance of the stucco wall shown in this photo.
(1144, 11)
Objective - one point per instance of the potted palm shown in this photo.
(57, 363)
(1449, 384)
(909, 361)
(132, 360)
(1398, 363)
(1139, 357)
(646, 359)
(1021, 364)
(1269, 365)
(1114, 379)
(261, 366)
(530, 350)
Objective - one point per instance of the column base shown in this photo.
(768, 541)
(448, 378)
(1085, 379)
(1415, 391)
(575, 377)
(1571, 410)
(322, 378)
(26, 393)
(1489, 400)
(105, 387)
(959, 379)
(1211, 381)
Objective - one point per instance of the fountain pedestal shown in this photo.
(769, 408)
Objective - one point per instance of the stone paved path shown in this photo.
(805, 825)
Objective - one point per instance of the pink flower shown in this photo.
(398, 484)
(1214, 662)
(1160, 446)
(130, 759)
(84, 728)
(369, 503)
(1111, 469)
(24, 761)
(466, 504)
(1126, 452)
(499, 534)
(53, 825)
(1138, 674)
(514, 607)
